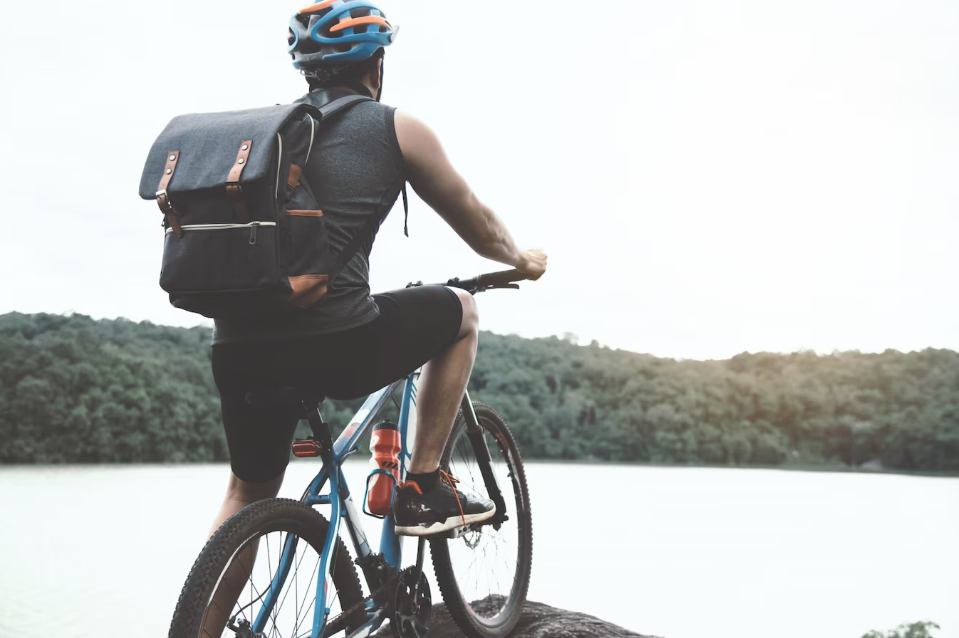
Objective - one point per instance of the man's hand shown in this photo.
(532, 263)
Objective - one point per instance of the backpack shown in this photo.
(244, 236)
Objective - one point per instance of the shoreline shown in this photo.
(536, 461)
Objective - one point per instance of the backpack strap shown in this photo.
(331, 109)
(339, 104)
(326, 111)
(369, 228)
(366, 232)
(406, 212)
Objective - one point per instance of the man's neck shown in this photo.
(354, 87)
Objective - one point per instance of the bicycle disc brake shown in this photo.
(244, 630)
(410, 605)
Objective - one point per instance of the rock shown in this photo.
(538, 621)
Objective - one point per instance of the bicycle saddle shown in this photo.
(293, 398)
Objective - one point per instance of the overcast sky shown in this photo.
(707, 177)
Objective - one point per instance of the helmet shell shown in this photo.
(337, 32)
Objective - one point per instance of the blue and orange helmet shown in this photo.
(337, 32)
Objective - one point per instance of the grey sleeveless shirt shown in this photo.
(356, 172)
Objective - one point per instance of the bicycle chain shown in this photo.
(331, 625)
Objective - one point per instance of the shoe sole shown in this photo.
(437, 528)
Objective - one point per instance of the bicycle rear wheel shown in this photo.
(252, 542)
(484, 573)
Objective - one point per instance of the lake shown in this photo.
(674, 552)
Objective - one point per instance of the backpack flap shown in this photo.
(218, 153)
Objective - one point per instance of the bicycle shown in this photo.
(487, 606)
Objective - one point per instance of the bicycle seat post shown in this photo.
(321, 431)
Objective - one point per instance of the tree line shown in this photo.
(78, 390)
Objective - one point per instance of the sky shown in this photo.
(707, 177)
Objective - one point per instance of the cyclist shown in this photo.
(352, 343)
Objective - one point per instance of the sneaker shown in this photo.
(441, 509)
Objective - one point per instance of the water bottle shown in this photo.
(385, 445)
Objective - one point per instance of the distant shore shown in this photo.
(78, 390)
(358, 459)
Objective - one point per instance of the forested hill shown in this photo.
(73, 389)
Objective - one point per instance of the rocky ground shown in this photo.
(538, 621)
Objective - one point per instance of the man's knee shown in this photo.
(470, 322)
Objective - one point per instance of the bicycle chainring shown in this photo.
(410, 605)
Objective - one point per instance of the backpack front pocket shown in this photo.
(228, 258)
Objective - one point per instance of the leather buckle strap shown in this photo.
(233, 189)
(294, 178)
(163, 198)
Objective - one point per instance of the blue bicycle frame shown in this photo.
(343, 508)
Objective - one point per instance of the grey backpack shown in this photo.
(244, 235)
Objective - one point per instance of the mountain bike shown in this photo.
(291, 575)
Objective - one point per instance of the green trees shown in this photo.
(909, 630)
(847, 408)
(77, 390)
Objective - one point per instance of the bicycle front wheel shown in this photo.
(484, 572)
(233, 576)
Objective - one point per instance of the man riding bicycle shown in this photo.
(352, 343)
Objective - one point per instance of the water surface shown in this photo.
(675, 552)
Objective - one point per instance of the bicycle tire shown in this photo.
(252, 522)
(472, 616)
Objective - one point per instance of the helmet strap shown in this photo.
(379, 91)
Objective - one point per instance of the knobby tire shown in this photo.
(464, 612)
(273, 515)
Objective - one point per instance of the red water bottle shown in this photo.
(386, 447)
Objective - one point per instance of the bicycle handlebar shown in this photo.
(502, 279)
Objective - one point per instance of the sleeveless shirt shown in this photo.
(356, 171)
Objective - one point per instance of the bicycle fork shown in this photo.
(475, 434)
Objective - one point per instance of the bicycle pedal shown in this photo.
(459, 532)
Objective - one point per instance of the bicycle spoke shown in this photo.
(312, 601)
(253, 589)
(269, 571)
(307, 592)
(296, 581)
(249, 586)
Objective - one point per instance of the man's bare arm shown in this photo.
(436, 181)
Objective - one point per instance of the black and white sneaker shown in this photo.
(439, 510)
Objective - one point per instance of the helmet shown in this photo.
(338, 32)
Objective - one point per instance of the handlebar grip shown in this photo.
(501, 278)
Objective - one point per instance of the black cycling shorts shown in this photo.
(414, 325)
